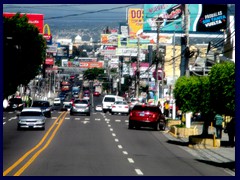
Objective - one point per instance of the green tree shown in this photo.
(222, 88)
(24, 52)
(93, 73)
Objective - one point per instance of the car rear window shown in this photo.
(80, 102)
(40, 104)
(120, 102)
(109, 99)
(31, 113)
(146, 108)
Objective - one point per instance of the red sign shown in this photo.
(49, 61)
(35, 19)
(91, 64)
(159, 74)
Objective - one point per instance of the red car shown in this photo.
(96, 93)
(147, 116)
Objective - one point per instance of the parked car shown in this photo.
(120, 107)
(80, 106)
(15, 104)
(31, 118)
(44, 105)
(96, 93)
(57, 102)
(147, 116)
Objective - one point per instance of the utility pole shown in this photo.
(158, 22)
(138, 70)
(187, 38)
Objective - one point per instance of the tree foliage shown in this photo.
(93, 73)
(24, 52)
(222, 84)
(208, 94)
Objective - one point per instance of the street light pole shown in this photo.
(138, 70)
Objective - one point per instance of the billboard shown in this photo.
(135, 21)
(202, 18)
(109, 39)
(35, 19)
(49, 61)
(87, 65)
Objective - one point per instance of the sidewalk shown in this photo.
(223, 156)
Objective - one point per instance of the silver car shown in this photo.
(31, 118)
(80, 106)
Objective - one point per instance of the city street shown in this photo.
(99, 145)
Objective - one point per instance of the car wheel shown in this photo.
(43, 128)
(104, 111)
(163, 127)
(19, 128)
(88, 114)
(130, 125)
(71, 113)
(157, 126)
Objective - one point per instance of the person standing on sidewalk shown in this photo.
(218, 120)
(231, 132)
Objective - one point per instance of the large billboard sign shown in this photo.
(135, 21)
(35, 19)
(87, 65)
(202, 18)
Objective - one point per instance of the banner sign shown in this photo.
(51, 49)
(87, 65)
(49, 61)
(202, 18)
(35, 19)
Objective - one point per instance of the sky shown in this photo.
(70, 12)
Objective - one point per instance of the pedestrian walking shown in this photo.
(218, 120)
(230, 129)
(166, 108)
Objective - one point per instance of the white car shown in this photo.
(98, 108)
(57, 102)
(120, 107)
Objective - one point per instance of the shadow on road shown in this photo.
(177, 143)
(229, 165)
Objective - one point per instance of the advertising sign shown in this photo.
(202, 18)
(135, 21)
(51, 49)
(35, 19)
(91, 65)
(109, 39)
(49, 61)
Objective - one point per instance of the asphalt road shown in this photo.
(96, 145)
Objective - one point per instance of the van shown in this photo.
(108, 100)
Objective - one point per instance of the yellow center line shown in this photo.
(29, 162)
(8, 170)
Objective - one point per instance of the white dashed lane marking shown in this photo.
(120, 146)
(111, 129)
(125, 152)
(113, 134)
(116, 140)
(138, 171)
(97, 119)
(130, 160)
(4, 123)
(117, 120)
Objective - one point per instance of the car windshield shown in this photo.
(109, 99)
(40, 104)
(31, 113)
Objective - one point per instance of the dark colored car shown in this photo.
(44, 105)
(147, 116)
(15, 104)
(80, 106)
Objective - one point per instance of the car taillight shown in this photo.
(73, 105)
(125, 106)
(113, 106)
(131, 113)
